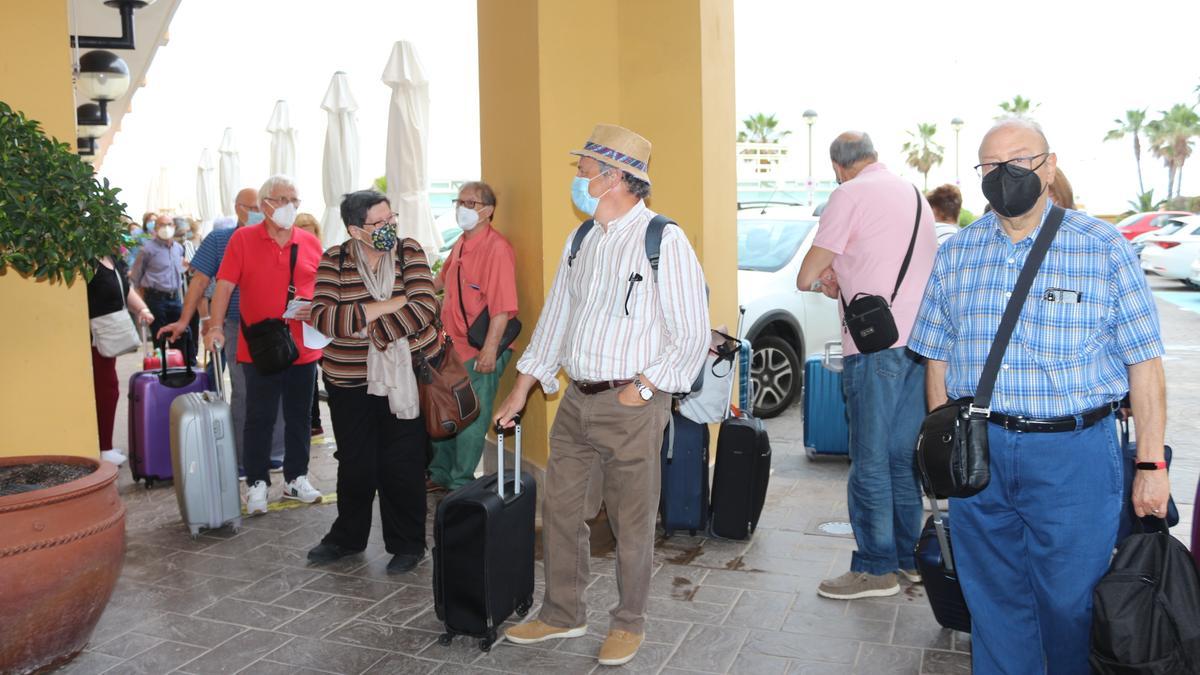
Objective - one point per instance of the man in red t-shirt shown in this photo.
(257, 261)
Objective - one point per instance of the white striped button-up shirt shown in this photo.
(606, 318)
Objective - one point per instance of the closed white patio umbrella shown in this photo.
(208, 201)
(231, 173)
(339, 173)
(408, 147)
(283, 141)
(160, 198)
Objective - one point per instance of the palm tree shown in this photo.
(1132, 125)
(761, 128)
(1170, 139)
(1145, 202)
(1019, 106)
(923, 152)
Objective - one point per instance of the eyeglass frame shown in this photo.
(467, 202)
(390, 220)
(979, 168)
(283, 200)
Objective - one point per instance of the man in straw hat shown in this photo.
(627, 335)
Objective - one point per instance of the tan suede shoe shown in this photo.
(620, 647)
(535, 631)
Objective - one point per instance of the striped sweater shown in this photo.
(337, 311)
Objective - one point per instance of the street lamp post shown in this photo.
(957, 123)
(810, 118)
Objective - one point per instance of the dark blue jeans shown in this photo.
(1031, 546)
(294, 387)
(885, 403)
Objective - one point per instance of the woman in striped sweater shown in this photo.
(375, 298)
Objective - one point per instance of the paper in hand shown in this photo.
(315, 339)
(295, 306)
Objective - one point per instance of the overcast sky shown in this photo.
(882, 67)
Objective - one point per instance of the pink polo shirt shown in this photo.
(488, 267)
(868, 223)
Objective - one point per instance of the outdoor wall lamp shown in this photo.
(103, 77)
(126, 8)
(92, 122)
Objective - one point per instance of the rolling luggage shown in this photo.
(483, 536)
(204, 461)
(938, 573)
(150, 396)
(826, 431)
(683, 501)
(742, 471)
(151, 360)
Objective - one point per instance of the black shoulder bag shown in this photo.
(868, 318)
(477, 330)
(270, 342)
(952, 449)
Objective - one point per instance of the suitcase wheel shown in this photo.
(445, 638)
(692, 532)
(149, 483)
(523, 608)
(485, 643)
(667, 533)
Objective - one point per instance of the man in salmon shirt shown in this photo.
(479, 275)
(868, 226)
(257, 261)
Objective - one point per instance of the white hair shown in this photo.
(278, 180)
(1020, 122)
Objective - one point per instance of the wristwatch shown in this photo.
(645, 392)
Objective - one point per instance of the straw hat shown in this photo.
(619, 147)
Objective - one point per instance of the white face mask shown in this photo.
(467, 218)
(165, 232)
(284, 216)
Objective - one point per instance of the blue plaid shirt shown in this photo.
(1064, 357)
(208, 260)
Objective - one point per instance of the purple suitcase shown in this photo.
(150, 395)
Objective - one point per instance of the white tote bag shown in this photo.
(710, 404)
(114, 334)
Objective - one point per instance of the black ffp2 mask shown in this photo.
(1012, 190)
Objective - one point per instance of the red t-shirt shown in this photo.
(259, 268)
(488, 268)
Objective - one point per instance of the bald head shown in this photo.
(163, 220)
(1013, 132)
(245, 202)
(852, 147)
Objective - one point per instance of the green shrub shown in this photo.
(965, 218)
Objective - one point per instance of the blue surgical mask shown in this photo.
(583, 199)
(254, 217)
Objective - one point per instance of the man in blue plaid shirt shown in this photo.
(1032, 545)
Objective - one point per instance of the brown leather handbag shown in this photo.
(448, 402)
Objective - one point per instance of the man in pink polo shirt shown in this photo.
(865, 232)
(258, 262)
(479, 275)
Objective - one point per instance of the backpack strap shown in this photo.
(654, 235)
(577, 241)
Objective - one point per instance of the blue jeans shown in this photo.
(885, 403)
(264, 393)
(1033, 544)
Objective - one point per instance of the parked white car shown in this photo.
(1171, 255)
(1139, 242)
(781, 322)
(1194, 279)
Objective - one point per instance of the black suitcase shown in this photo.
(743, 469)
(938, 573)
(483, 537)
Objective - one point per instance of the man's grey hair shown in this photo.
(278, 180)
(636, 186)
(852, 147)
(1021, 122)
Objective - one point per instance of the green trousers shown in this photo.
(455, 459)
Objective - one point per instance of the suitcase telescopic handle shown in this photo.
(219, 380)
(500, 457)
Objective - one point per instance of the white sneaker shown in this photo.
(301, 490)
(115, 456)
(256, 498)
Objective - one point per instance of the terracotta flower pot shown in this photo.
(61, 550)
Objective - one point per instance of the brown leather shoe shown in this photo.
(619, 647)
(536, 631)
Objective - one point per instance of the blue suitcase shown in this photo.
(683, 501)
(935, 562)
(825, 429)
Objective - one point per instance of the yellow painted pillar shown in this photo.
(549, 71)
(46, 400)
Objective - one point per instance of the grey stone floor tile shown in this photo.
(718, 595)
(402, 606)
(802, 648)
(962, 642)
(325, 655)
(325, 617)
(302, 599)
(242, 544)
(87, 663)
(676, 581)
(754, 581)
(250, 614)
(945, 663)
(649, 659)
(426, 620)
(687, 611)
(753, 663)
(840, 627)
(916, 627)
(512, 658)
(709, 648)
(241, 569)
(877, 659)
(817, 668)
(460, 669)
(760, 609)
(235, 653)
(808, 602)
(162, 658)
(461, 651)
(188, 630)
(867, 609)
(128, 645)
(399, 664)
(199, 596)
(384, 636)
(117, 620)
(279, 584)
(268, 667)
(340, 584)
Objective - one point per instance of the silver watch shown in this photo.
(645, 392)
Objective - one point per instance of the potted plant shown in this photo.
(62, 523)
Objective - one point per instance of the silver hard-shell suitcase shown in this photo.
(204, 460)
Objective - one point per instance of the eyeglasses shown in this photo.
(280, 201)
(250, 207)
(1024, 162)
(470, 203)
(390, 220)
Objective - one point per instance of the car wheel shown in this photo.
(776, 373)
(1190, 284)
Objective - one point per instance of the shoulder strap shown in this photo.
(1012, 311)
(911, 243)
(577, 240)
(461, 306)
(654, 235)
(291, 293)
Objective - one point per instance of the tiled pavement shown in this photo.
(247, 602)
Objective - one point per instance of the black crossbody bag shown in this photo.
(952, 449)
(477, 330)
(270, 342)
(868, 318)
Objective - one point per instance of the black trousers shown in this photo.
(377, 452)
(293, 387)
